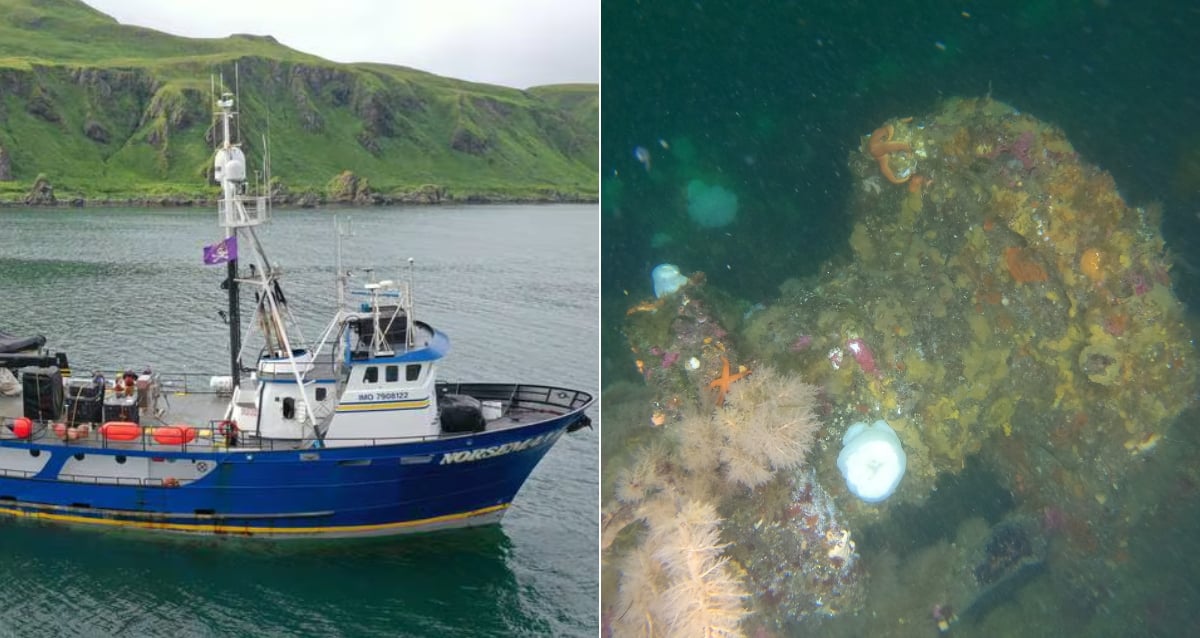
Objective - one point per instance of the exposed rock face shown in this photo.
(42, 106)
(96, 132)
(42, 193)
(5, 166)
(350, 188)
(377, 115)
(426, 194)
(464, 140)
(369, 142)
(493, 107)
(308, 200)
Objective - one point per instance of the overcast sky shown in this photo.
(516, 43)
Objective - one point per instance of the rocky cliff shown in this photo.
(106, 112)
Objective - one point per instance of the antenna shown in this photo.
(266, 169)
(267, 152)
(341, 228)
(237, 93)
(411, 290)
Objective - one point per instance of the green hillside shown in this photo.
(110, 112)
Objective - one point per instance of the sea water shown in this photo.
(515, 288)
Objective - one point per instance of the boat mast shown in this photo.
(228, 197)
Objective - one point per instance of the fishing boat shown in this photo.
(350, 435)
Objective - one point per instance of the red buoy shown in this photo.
(120, 430)
(22, 427)
(175, 434)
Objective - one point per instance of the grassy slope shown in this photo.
(109, 110)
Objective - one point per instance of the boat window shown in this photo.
(320, 394)
(392, 374)
(371, 375)
(289, 408)
(412, 372)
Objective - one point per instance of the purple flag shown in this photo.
(221, 252)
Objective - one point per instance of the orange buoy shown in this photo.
(22, 427)
(120, 430)
(175, 434)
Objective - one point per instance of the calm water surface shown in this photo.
(515, 288)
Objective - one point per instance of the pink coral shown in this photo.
(801, 343)
(863, 355)
(1019, 149)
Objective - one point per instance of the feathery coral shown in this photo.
(769, 425)
(642, 580)
(645, 476)
(704, 598)
(676, 582)
(673, 578)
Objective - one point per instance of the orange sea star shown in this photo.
(881, 145)
(722, 383)
(644, 306)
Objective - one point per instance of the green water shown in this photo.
(513, 286)
(770, 99)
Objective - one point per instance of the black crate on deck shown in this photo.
(42, 393)
(84, 402)
(119, 407)
(461, 413)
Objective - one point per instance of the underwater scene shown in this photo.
(899, 304)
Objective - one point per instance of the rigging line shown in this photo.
(282, 319)
(291, 357)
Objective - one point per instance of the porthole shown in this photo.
(35, 453)
(79, 456)
(121, 458)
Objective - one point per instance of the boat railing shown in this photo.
(255, 210)
(519, 394)
(187, 383)
(210, 440)
(320, 366)
(173, 382)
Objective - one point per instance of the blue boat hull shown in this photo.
(375, 490)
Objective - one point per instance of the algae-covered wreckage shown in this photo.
(1003, 309)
